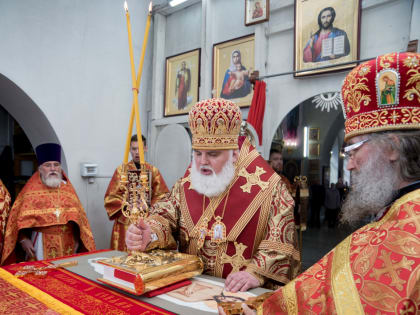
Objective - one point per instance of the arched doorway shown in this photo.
(23, 126)
(310, 139)
(308, 134)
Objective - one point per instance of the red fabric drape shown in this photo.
(256, 112)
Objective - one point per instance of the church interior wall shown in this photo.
(183, 30)
(283, 93)
(71, 58)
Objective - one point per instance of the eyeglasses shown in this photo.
(349, 150)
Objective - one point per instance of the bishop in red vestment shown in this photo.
(230, 209)
(375, 270)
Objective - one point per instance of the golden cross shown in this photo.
(237, 260)
(413, 218)
(391, 268)
(408, 308)
(253, 179)
(43, 270)
(53, 253)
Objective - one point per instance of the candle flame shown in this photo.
(125, 6)
(150, 7)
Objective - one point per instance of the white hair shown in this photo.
(214, 184)
(51, 181)
(373, 187)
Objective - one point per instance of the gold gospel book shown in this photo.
(139, 273)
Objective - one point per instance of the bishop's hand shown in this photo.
(138, 236)
(240, 281)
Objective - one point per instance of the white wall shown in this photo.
(71, 59)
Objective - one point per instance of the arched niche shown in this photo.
(172, 152)
(28, 114)
(323, 118)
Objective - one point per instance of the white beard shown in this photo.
(373, 188)
(52, 181)
(214, 184)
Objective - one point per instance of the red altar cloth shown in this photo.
(64, 292)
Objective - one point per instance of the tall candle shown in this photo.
(134, 89)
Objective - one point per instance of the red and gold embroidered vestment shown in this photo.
(4, 212)
(52, 211)
(114, 198)
(260, 232)
(375, 270)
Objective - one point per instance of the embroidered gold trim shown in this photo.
(36, 293)
(218, 267)
(354, 90)
(346, 297)
(280, 278)
(158, 226)
(358, 132)
(393, 211)
(290, 298)
(46, 211)
(37, 193)
(286, 249)
(262, 223)
(189, 224)
(252, 209)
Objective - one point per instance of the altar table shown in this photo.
(75, 290)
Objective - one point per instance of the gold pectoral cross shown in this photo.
(237, 260)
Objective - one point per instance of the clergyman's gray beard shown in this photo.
(52, 181)
(373, 188)
(214, 184)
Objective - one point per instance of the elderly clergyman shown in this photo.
(47, 219)
(230, 209)
(376, 270)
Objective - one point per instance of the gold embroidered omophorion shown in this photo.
(375, 270)
(260, 222)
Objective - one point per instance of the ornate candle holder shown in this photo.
(136, 197)
(142, 272)
(136, 202)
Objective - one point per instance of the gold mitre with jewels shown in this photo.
(215, 124)
(382, 94)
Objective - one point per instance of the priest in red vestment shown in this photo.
(47, 219)
(230, 209)
(5, 203)
(375, 270)
(114, 196)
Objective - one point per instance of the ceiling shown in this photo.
(162, 6)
